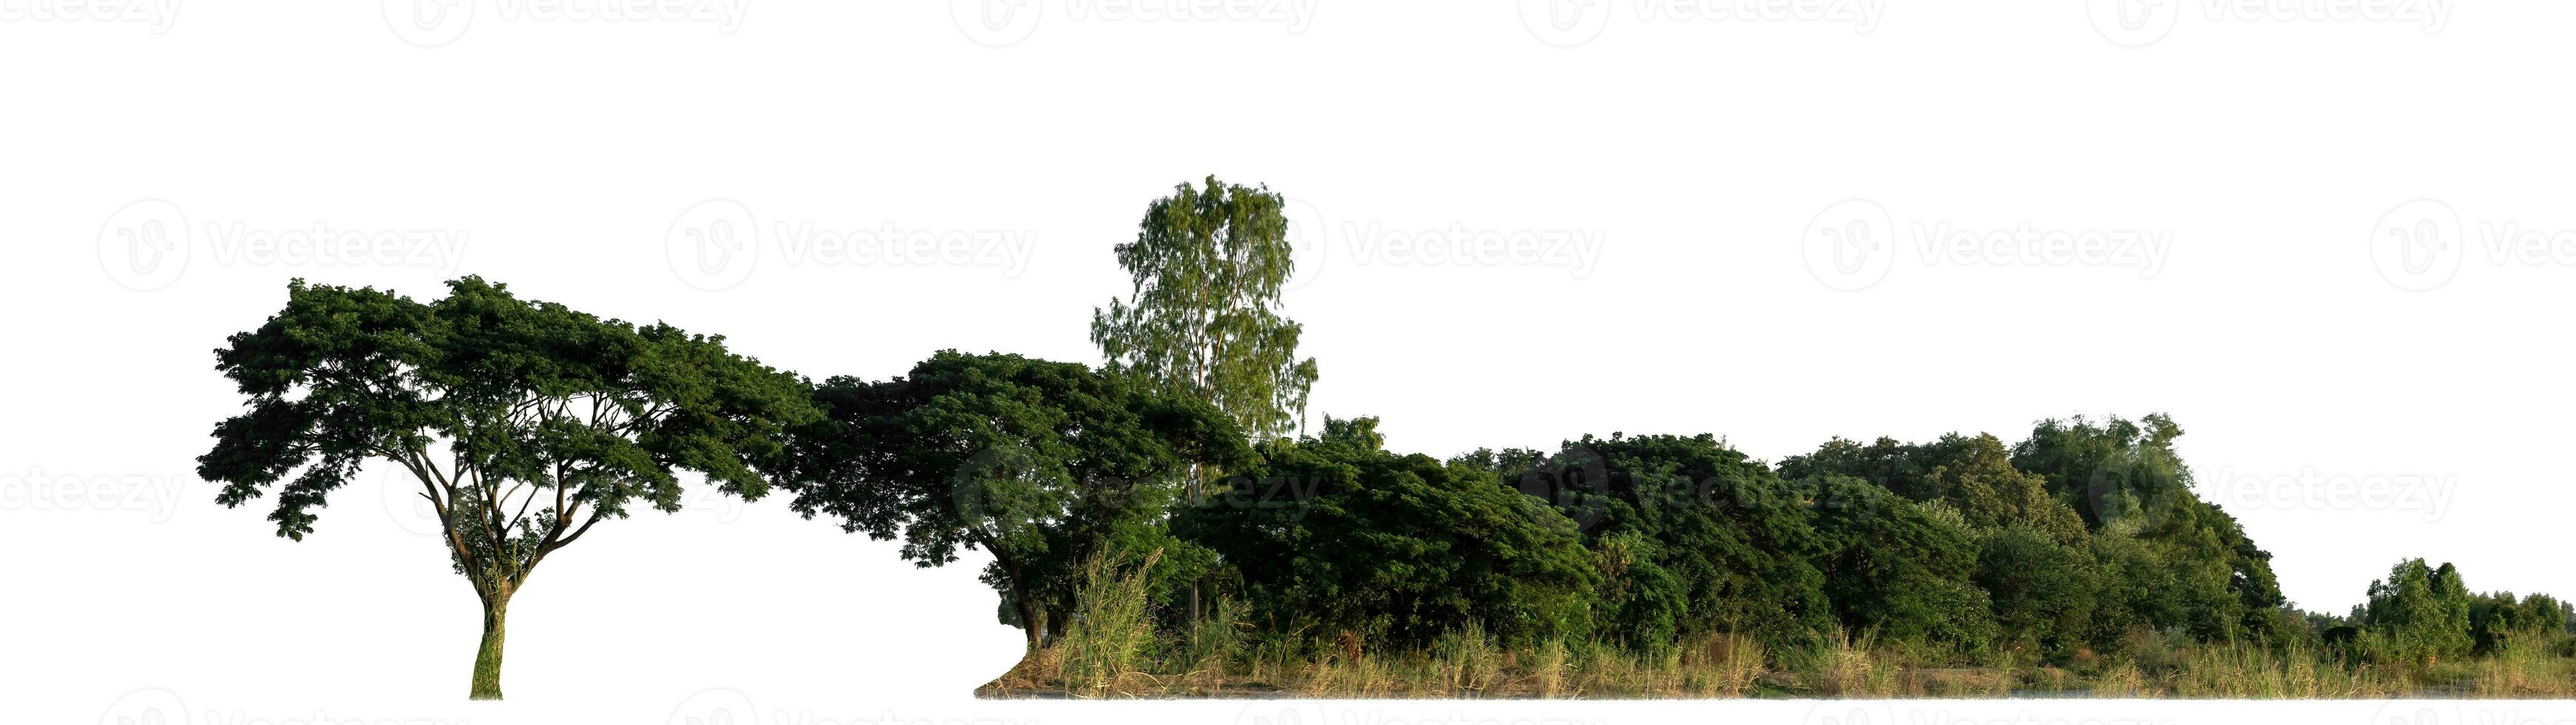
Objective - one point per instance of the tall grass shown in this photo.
(1110, 648)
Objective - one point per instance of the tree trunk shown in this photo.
(1028, 619)
(1197, 497)
(487, 659)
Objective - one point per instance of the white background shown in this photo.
(2274, 151)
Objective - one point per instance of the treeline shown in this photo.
(1169, 504)
(2079, 544)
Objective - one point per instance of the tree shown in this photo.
(2126, 480)
(1395, 548)
(2420, 613)
(1734, 537)
(1038, 463)
(525, 423)
(1974, 475)
(2042, 590)
(2499, 621)
(1203, 319)
(1896, 571)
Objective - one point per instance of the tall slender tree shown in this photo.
(1203, 319)
(523, 422)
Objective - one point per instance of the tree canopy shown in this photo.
(1039, 463)
(524, 423)
(1203, 318)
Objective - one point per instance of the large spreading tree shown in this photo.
(524, 423)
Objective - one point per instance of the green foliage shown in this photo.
(2126, 480)
(2042, 590)
(1896, 573)
(1975, 476)
(1396, 548)
(2498, 621)
(1737, 538)
(1203, 319)
(1040, 463)
(524, 423)
(2419, 614)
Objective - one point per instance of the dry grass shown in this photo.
(1111, 651)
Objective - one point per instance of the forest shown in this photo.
(1164, 523)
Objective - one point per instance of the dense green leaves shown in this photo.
(1203, 319)
(1740, 542)
(1040, 463)
(523, 423)
(1396, 548)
